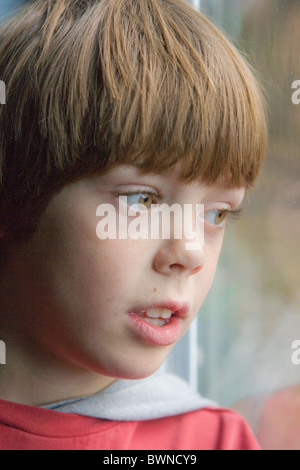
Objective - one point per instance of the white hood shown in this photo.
(157, 396)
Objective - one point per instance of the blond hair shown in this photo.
(94, 83)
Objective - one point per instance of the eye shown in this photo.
(216, 217)
(143, 197)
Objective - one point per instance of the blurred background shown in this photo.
(240, 345)
(7, 6)
(253, 312)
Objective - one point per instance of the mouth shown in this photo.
(160, 322)
(162, 312)
(158, 316)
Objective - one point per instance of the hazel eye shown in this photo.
(145, 199)
(142, 198)
(216, 217)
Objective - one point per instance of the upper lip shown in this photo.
(179, 309)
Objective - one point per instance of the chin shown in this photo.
(130, 363)
(135, 370)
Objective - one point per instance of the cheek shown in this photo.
(207, 273)
(212, 251)
(92, 275)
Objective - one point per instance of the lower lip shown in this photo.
(159, 335)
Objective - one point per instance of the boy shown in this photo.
(110, 98)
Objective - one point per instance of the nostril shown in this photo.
(177, 265)
(196, 270)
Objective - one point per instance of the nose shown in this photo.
(173, 257)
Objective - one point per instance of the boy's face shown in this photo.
(74, 294)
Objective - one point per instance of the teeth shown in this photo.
(166, 314)
(159, 312)
(155, 321)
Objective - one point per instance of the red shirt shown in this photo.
(24, 427)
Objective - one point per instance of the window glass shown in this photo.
(7, 6)
(249, 327)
